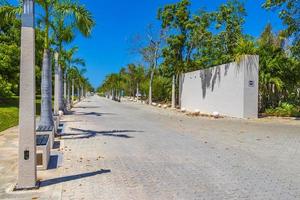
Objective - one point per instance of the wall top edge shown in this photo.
(231, 63)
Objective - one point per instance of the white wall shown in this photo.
(230, 89)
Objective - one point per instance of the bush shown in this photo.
(284, 110)
(5, 88)
(162, 88)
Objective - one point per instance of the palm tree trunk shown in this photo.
(180, 77)
(150, 87)
(65, 85)
(137, 90)
(46, 90)
(61, 89)
(72, 92)
(173, 92)
(68, 95)
(78, 93)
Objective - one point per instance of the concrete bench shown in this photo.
(42, 130)
(42, 151)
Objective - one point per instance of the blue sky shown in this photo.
(107, 50)
(117, 21)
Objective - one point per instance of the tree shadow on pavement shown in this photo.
(72, 177)
(85, 134)
(85, 107)
(94, 114)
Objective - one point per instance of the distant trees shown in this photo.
(208, 38)
(56, 26)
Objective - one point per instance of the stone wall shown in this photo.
(230, 89)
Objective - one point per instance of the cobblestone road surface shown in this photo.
(128, 151)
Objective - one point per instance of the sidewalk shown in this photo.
(8, 171)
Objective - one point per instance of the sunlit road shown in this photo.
(126, 151)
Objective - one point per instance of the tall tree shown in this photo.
(289, 12)
(176, 19)
(63, 34)
(82, 20)
(151, 53)
(71, 64)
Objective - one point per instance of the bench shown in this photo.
(42, 151)
(46, 130)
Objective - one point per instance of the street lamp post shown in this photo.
(27, 135)
(56, 85)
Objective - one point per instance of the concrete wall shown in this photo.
(229, 89)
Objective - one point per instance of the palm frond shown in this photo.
(83, 19)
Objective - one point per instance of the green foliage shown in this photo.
(284, 110)
(5, 88)
(289, 12)
(10, 32)
(162, 89)
(59, 19)
(279, 73)
(9, 51)
(176, 19)
(205, 39)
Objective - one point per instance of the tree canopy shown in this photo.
(204, 39)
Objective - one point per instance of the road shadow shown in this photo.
(86, 107)
(265, 116)
(75, 121)
(54, 181)
(53, 162)
(93, 114)
(56, 145)
(69, 112)
(85, 134)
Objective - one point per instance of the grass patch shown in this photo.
(9, 111)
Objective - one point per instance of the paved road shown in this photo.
(130, 151)
(146, 153)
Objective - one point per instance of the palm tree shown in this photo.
(81, 19)
(8, 12)
(70, 62)
(63, 34)
(139, 77)
(75, 76)
(132, 75)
